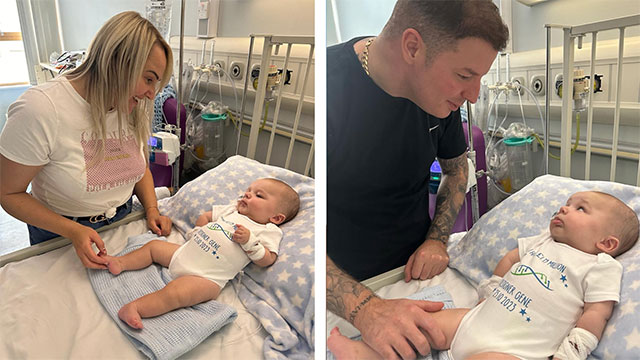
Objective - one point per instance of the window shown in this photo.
(13, 63)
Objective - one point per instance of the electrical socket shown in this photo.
(538, 85)
(519, 80)
(236, 70)
(220, 63)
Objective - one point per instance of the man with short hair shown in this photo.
(392, 108)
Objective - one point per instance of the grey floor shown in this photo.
(13, 233)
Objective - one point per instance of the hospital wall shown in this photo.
(81, 19)
(532, 63)
(528, 60)
(359, 18)
(210, 86)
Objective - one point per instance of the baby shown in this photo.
(224, 241)
(553, 295)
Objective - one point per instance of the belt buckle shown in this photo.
(97, 218)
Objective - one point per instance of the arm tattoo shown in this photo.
(353, 314)
(450, 197)
(343, 293)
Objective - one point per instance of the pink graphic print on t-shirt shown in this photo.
(122, 164)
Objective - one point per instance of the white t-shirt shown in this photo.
(539, 300)
(210, 253)
(50, 125)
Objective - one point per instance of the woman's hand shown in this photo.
(82, 238)
(159, 224)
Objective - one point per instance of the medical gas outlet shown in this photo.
(538, 85)
(236, 70)
(580, 88)
(518, 83)
(219, 64)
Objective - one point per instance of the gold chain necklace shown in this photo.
(365, 56)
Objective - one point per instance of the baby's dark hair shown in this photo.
(625, 225)
(290, 202)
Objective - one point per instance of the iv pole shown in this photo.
(475, 210)
(175, 178)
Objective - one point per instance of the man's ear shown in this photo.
(412, 45)
(608, 245)
(278, 218)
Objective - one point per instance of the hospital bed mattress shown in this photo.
(50, 311)
(48, 308)
(391, 285)
(475, 254)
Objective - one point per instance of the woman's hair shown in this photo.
(113, 65)
(442, 23)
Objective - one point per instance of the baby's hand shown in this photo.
(241, 235)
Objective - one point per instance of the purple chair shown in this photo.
(464, 221)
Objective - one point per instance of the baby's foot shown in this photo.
(129, 314)
(113, 264)
(344, 348)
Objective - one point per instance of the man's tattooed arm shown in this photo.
(345, 295)
(450, 197)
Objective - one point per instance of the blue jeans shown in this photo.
(38, 235)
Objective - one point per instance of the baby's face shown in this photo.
(582, 222)
(260, 201)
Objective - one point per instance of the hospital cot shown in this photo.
(474, 254)
(48, 308)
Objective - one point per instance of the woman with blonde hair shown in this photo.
(81, 140)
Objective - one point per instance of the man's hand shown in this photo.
(429, 260)
(398, 326)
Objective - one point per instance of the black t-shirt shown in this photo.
(379, 150)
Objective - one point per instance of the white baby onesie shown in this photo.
(538, 301)
(210, 253)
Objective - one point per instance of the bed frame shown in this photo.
(571, 33)
(271, 41)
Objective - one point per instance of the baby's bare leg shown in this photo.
(181, 292)
(448, 320)
(155, 251)
(344, 348)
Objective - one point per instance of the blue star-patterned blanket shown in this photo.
(281, 295)
(166, 336)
